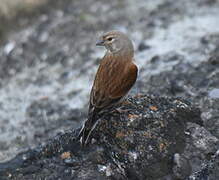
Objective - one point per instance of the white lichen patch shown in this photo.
(105, 169)
(133, 156)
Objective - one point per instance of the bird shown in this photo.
(116, 75)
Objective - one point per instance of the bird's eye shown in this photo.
(110, 39)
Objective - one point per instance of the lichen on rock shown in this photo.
(137, 142)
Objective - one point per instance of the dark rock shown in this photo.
(200, 84)
(71, 162)
(142, 46)
(210, 39)
(155, 59)
(182, 167)
(214, 56)
(210, 118)
(200, 145)
(209, 169)
(139, 143)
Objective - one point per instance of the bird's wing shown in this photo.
(125, 84)
(113, 80)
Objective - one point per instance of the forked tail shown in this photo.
(88, 127)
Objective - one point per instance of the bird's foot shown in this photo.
(120, 110)
(125, 102)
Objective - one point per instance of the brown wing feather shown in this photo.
(126, 82)
(113, 80)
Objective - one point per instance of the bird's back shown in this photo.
(114, 78)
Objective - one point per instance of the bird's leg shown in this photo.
(120, 110)
(120, 107)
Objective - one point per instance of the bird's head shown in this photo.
(116, 42)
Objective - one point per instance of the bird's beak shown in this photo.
(100, 43)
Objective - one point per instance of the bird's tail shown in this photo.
(88, 127)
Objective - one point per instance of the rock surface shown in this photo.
(138, 143)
